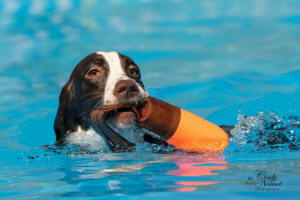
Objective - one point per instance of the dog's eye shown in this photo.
(134, 72)
(93, 72)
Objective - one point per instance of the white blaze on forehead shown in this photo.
(116, 73)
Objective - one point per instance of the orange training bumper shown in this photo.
(197, 134)
(181, 128)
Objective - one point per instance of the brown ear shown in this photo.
(65, 121)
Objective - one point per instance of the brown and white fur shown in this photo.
(101, 78)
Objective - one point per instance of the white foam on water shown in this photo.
(89, 140)
(266, 131)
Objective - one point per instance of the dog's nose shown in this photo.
(125, 89)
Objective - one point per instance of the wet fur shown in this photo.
(79, 95)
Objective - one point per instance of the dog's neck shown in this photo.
(93, 141)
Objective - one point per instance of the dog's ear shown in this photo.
(65, 121)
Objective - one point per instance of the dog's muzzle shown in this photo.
(98, 117)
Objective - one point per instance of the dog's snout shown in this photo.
(125, 89)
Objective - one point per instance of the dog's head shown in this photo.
(101, 78)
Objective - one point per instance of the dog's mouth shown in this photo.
(123, 115)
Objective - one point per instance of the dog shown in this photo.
(101, 78)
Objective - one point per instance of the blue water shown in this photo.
(232, 62)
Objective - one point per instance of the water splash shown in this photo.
(266, 131)
(263, 132)
(88, 140)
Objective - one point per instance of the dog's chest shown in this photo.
(88, 139)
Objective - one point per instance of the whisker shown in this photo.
(87, 101)
(97, 92)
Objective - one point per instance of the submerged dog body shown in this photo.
(101, 78)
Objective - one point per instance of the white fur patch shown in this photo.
(94, 142)
(116, 73)
(88, 139)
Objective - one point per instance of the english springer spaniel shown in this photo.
(105, 78)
